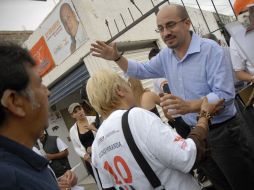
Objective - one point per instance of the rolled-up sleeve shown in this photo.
(220, 76)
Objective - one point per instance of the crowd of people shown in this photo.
(206, 130)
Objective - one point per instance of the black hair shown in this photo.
(85, 101)
(182, 12)
(13, 73)
(211, 36)
(153, 52)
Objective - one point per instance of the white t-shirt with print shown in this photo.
(170, 156)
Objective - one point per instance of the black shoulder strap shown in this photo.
(145, 167)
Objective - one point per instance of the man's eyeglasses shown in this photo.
(169, 26)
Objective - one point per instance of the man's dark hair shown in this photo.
(13, 73)
(182, 12)
(153, 52)
(211, 36)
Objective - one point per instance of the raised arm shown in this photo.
(109, 52)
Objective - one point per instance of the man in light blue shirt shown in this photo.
(194, 76)
(195, 68)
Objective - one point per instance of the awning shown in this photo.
(70, 83)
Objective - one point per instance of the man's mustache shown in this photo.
(168, 37)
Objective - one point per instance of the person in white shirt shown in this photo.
(241, 52)
(243, 68)
(242, 64)
(170, 156)
(82, 134)
(56, 151)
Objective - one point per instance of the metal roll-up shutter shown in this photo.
(70, 83)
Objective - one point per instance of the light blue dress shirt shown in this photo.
(205, 70)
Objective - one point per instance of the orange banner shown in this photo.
(42, 56)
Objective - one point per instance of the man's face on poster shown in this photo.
(69, 20)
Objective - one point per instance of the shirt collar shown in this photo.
(194, 46)
(26, 154)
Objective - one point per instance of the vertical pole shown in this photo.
(123, 20)
(116, 25)
(203, 16)
(152, 2)
(130, 14)
(217, 12)
(106, 22)
(132, 1)
(232, 8)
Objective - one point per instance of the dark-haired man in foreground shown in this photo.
(23, 117)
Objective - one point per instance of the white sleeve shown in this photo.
(79, 149)
(35, 149)
(105, 177)
(238, 62)
(90, 119)
(177, 153)
(61, 145)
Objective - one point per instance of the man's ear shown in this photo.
(13, 102)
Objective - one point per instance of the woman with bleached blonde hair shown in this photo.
(105, 97)
(144, 97)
